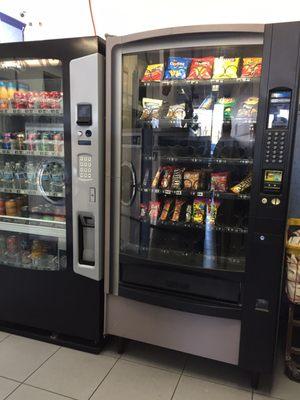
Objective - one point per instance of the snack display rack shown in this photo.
(292, 354)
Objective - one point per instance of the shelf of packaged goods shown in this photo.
(185, 258)
(197, 193)
(199, 160)
(192, 226)
(32, 112)
(209, 82)
(33, 153)
(55, 230)
(29, 192)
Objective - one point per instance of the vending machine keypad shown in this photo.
(275, 143)
(85, 166)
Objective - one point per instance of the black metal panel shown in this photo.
(265, 254)
(60, 302)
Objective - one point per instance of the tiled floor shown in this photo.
(32, 370)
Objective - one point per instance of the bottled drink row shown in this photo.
(31, 176)
(42, 141)
(23, 98)
(19, 251)
(17, 206)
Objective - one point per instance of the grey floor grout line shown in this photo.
(49, 391)
(12, 391)
(10, 379)
(30, 375)
(179, 379)
(104, 379)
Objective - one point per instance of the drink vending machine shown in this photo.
(199, 143)
(51, 190)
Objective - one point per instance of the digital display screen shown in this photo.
(279, 109)
(84, 114)
(273, 176)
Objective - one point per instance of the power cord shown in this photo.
(92, 17)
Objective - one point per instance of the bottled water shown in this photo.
(20, 176)
(57, 178)
(8, 176)
(31, 176)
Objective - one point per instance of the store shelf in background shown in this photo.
(32, 112)
(34, 153)
(31, 192)
(26, 228)
(197, 193)
(181, 82)
(204, 160)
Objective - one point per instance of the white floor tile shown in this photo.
(20, 356)
(280, 386)
(154, 356)
(3, 335)
(217, 372)
(72, 373)
(196, 389)
(29, 393)
(257, 396)
(130, 381)
(6, 387)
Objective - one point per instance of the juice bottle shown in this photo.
(11, 89)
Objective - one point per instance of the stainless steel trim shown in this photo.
(87, 86)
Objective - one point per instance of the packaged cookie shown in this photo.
(191, 179)
(156, 179)
(176, 112)
(243, 185)
(219, 181)
(248, 109)
(177, 179)
(151, 109)
(212, 210)
(166, 177)
(188, 213)
(153, 73)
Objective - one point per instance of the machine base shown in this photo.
(54, 338)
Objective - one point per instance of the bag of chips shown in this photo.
(165, 210)
(248, 108)
(177, 209)
(226, 68)
(177, 179)
(153, 73)
(243, 185)
(228, 103)
(166, 177)
(191, 179)
(176, 112)
(212, 210)
(154, 207)
(199, 206)
(177, 68)
(151, 108)
(201, 68)
(251, 67)
(219, 181)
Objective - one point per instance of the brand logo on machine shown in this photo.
(177, 285)
(176, 64)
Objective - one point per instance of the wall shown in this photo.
(67, 18)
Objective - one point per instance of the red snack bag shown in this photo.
(201, 68)
(154, 207)
(251, 67)
(219, 181)
(153, 73)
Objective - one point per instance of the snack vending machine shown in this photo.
(201, 121)
(51, 185)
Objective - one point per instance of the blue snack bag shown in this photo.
(177, 68)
